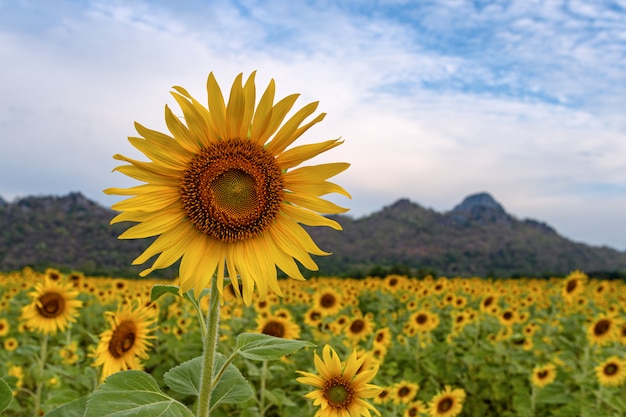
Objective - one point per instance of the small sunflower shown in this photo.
(404, 392)
(573, 285)
(543, 375)
(359, 328)
(10, 344)
(223, 192)
(603, 330)
(4, 327)
(126, 343)
(328, 301)
(341, 389)
(612, 372)
(53, 307)
(278, 327)
(415, 409)
(447, 403)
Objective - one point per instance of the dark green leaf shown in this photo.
(257, 346)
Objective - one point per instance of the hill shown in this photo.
(476, 238)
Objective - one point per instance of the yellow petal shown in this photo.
(249, 91)
(163, 222)
(283, 137)
(217, 108)
(197, 121)
(308, 217)
(299, 154)
(263, 115)
(278, 113)
(185, 137)
(235, 109)
(315, 204)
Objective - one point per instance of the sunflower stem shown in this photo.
(210, 346)
(42, 366)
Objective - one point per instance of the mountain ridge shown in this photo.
(475, 238)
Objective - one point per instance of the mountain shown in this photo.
(476, 238)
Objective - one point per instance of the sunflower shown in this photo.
(127, 341)
(383, 337)
(447, 403)
(404, 392)
(341, 389)
(53, 307)
(603, 330)
(543, 375)
(4, 327)
(10, 344)
(573, 285)
(278, 327)
(328, 301)
(612, 372)
(415, 409)
(359, 328)
(224, 192)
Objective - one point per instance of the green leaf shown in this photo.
(6, 395)
(231, 388)
(160, 289)
(133, 393)
(185, 378)
(258, 346)
(554, 393)
(74, 408)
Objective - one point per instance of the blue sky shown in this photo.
(436, 100)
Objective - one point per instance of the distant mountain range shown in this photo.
(476, 238)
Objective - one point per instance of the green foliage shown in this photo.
(5, 395)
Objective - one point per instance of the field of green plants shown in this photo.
(516, 347)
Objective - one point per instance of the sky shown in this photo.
(436, 100)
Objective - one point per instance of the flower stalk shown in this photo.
(211, 336)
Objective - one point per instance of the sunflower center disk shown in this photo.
(123, 339)
(52, 305)
(232, 190)
(274, 328)
(445, 405)
(338, 393)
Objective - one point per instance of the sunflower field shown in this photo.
(442, 347)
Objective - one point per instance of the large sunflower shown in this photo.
(53, 307)
(447, 403)
(126, 343)
(223, 191)
(341, 390)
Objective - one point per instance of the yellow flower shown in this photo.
(127, 341)
(4, 327)
(415, 409)
(17, 372)
(278, 327)
(404, 392)
(328, 301)
(53, 307)
(612, 372)
(341, 389)
(543, 375)
(603, 330)
(10, 344)
(447, 403)
(224, 192)
(573, 285)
